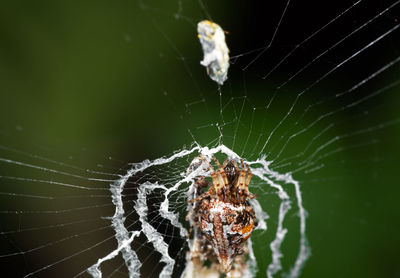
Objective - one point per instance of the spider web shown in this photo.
(310, 104)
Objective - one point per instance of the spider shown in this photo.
(222, 217)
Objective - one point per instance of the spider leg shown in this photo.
(202, 196)
(240, 185)
(217, 179)
(222, 181)
(248, 179)
(249, 175)
(221, 170)
(235, 188)
(190, 232)
(242, 177)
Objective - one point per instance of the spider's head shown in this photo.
(230, 172)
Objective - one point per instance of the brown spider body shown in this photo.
(223, 214)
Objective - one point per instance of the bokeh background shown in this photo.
(108, 83)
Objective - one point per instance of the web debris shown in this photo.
(216, 52)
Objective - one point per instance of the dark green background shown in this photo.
(122, 79)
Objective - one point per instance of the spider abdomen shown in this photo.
(226, 226)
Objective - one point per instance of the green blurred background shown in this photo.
(122, 79)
